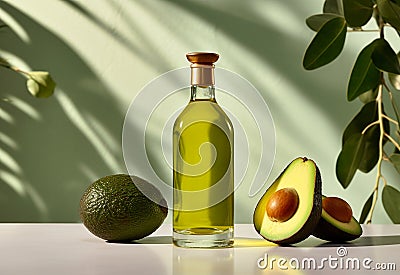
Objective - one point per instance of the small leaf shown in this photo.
(395, 160)
(390, 12)
(357, 12)
(366, 208)
(333, 6)
(349, 159)
(40, 84)
(390, 200)
(315, 22)
(395, 78)
(326, 45)
(364, 75)
(384, 58)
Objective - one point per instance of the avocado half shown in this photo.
(303, 175)
(330, 229)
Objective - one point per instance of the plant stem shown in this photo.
(369, 126)
(381, 136)
(391, 120)
(393, 141)
(13, 68)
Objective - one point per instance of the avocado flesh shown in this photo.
(330, 229)
(303, 175)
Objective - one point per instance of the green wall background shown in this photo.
(101, 53)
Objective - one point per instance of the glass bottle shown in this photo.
(203, 164)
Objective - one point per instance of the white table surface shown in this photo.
(70, 249)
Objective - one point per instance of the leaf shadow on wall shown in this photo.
(51, 149)
(278, 50)
(144, 50)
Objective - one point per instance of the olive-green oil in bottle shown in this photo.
(203, 164)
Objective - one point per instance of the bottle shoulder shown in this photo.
(206, 111)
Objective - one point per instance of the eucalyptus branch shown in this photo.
(381, 152)
(376, 60)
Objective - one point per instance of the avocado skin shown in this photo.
(329, 232)
(114, 208)
(312, 219)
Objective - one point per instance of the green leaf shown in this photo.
(395, 78)
(366, 208)
(384, 58)
(391, 202)
(326, 45)
(367, 115)
(371, 150)
(395, 160)
(357, 12)
(40, 84)
(333, 6)
(390, 12)
(364, 75)
(316, 21)
(349, 159)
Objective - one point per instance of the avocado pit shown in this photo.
(282, 205)
(337, 208)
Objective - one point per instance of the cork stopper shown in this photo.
(202, 68)
(202, 58)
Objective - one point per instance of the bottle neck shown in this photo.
(199, 93)
(202, 82)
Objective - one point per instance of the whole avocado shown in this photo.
(115, 209)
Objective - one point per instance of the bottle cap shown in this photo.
(202, 58)
(202, 68)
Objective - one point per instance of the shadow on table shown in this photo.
(310, 242)
(369, 241)
(360, 242)
(147, 240)
(314, 242)
(155, 240)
